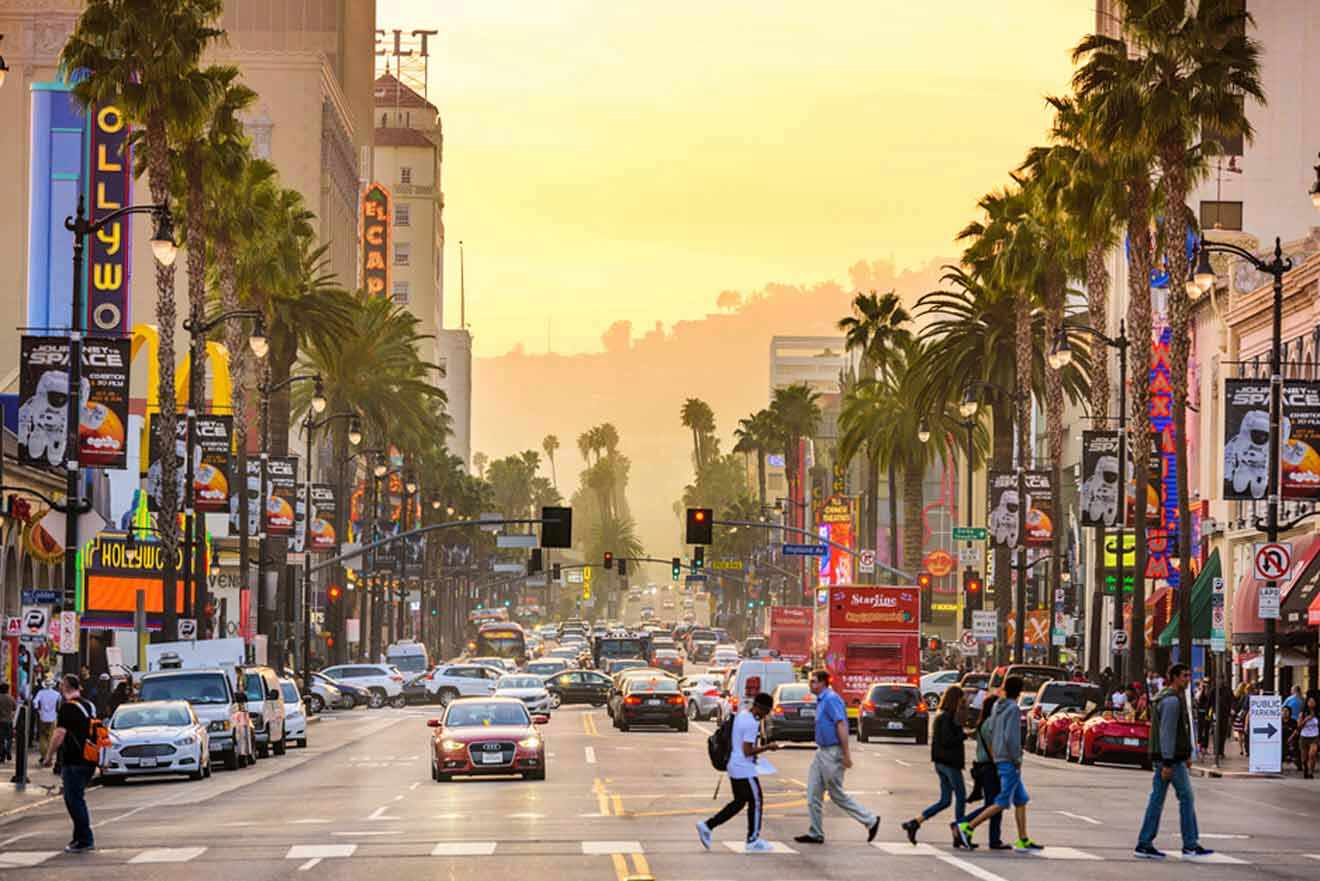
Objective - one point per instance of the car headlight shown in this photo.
(451, 745)
(220, 725)
(530, 742)
(189, 740)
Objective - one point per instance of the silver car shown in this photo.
(157, 737)
(530, 690)
(703, 696)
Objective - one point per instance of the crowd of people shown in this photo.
(44, 700)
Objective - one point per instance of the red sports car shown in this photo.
(1052, 731)
(1106, 736)
(486, 736)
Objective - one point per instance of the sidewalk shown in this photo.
(1234, 765)
(40, 790)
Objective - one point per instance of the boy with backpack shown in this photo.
(78, 738)
(733, 749)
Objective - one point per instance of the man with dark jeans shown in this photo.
(8, 707)
(743, 771)
(1171, 752)
(72, 728)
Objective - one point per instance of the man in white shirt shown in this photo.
(742, 770)
(47, 704)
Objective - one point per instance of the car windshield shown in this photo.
(520, 682)
(254, 687)
(795, 693)
(652, 685)
(889, 694)
(411, 663)
(544, 667)
(143, 716)
(195, 688)
(290, 692)
(477, 715)
(1071, 694)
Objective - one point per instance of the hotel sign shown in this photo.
(376, 241)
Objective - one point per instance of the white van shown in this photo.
(409, 656)
(754, 676)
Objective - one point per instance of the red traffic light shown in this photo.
(334, 592)
(609, 560)
(923, 580)
(699, 515)
(973, 585)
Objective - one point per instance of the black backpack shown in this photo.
(719, 746)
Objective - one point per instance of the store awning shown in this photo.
(1313, 613)
(1160, 609)
(1282, 659)
(1202, 590)
(1304, 589)
(1246, 624)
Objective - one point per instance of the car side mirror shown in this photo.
(272, 694)
(540, 719)
(432, 723)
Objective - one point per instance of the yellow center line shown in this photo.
(617, 801)
(602, 801)
(620, 866)
(640, 865)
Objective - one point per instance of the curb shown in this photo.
(1217, 774)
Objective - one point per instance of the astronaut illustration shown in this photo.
(1100, 492)
(1247, 454)
(254, 506)
(43, 419)
(1004, 520)
(299, 538)
(153, 472)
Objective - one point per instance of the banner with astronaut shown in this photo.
(43, 411)
(252, 486)
(213, 439)
(321, 529)
(1004, 501)
(1099, 492)
(1003, 519)
(1040, 508)
(1247, 440)
(281, 495)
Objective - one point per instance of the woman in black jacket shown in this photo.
(946, 751)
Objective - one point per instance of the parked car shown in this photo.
(651, 701)
(894, 710)
(463, 679)
(793, 716)
(933, 685)
(415, 690)
(1105, 735)
(1053, 730)
(383, 682)
(156, 737)
(216, 702)
(351, 696)
(265, 707)
(530, 690)
(295, 718)
(482, 736)
(1051, 696)
(703, 696)
(323, 694)
(579, 687)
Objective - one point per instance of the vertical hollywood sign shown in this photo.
(1161, 541)
(376, 241)
(109, 186)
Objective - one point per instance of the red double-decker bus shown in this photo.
(869, 634)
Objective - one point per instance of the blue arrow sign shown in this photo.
(794, 550)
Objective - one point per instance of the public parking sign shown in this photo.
(1265, 718)
(1118, 641)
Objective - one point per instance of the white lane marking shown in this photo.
(463, 849)
(704, 729)
(903, 849)
(1082, 817)
(605, 848)
(970, 868)
(26, 858)
(526, 816)
(414, 786)
(381, 832)
(591, 755)
(168, 855)
(379, 814)
(241, 823)
(9, 841)
(903, 763)
(1312, 856)
(777, 846)
(310, 821)
(309, 865)
(398, 798)
(1221, 835)
(1054, 852)
(1222, 858)
(320, 851)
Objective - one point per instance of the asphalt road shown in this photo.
(359, 803)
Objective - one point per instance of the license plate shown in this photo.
(895, 724)
(492, 758)
(1132, 741)
(147, 763)
(808, 714)
(653, 703)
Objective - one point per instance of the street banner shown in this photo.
(281, 495)
(1040, 509)
(252, 486)
(1099, 491)
(836, 525)
(414, 561)
(1246, 438)
(1003, 500)
(322, 519)
(103, 397)
(153, 459)
(1300, 452)
(213, 440)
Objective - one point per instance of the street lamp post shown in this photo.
(165, 250)
(1060, 356)
(198, 329)
(1204, 279)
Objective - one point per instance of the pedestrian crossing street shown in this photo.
(311, 854)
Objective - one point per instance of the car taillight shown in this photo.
(714, 692)
(921, 707)
(869, 706)
(632, 700)
(396, 678)
(678, 699)
(777, 711)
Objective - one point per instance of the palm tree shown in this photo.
(549, 444)
(143, 57)
(479, 460)
(878, 324)
(864, 420)
(796, 416)
(756, 434)
(697, 415)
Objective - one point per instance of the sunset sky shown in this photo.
(629, 160)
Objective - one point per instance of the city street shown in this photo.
(359, 801)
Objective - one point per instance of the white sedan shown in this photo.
(156, 737)
(528, 689)
(295, 717)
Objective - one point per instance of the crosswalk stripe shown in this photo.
(903, 849)
(779, 846)
(463, 849)
(18, 858)
(1221, 858)
(1312, 856)
(319, 851)
(168, 855)
(604, 848)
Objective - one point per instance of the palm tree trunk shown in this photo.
(235, 342)
(1022, 378)
(1002, 461)
(893, 515)
(1054, 295)
(167, 520)
(913, 532)
(197, 235)
(1097, 302)
(760, 474)
(1139, 320)
(872, 503)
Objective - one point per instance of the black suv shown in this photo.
(893, 711)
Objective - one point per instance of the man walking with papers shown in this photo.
(743, 776)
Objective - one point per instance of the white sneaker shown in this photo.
(703, 832)
(760, 845)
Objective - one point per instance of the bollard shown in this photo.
(20, 777)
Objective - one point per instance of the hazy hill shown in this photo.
(642, 377)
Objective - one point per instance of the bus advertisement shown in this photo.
(788, 633)
(867, 635)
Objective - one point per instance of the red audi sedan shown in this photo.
(481, 736)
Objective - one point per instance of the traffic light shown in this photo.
(555, 571)
(556, 527)
(678, 568)
(334, 592)
(700, 526)
(975, 598)
(698, 558)
(609, 560)
(623, 567)
(923, 580)
(927, 595)
(934, 644)
(534, 562)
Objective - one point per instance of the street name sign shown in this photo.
(969, 533)
(800, 550)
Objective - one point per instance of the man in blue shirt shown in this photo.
(832, 759)
(1295, 702)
